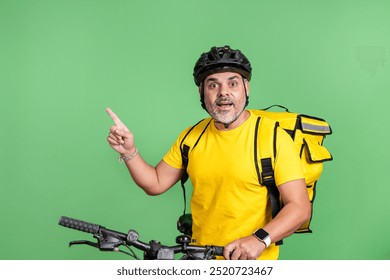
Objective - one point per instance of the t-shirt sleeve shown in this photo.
(288, 166)
(173, 156)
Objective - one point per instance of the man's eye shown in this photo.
(213, 85)
(233, 84)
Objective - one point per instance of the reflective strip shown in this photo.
(316, 128)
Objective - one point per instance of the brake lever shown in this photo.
(84, 242)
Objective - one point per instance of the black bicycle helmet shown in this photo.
(221, 59)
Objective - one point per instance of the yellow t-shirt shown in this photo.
(227, 201)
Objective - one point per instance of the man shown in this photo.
(229, 207)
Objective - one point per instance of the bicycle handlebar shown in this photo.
(79, 225)
(110, 240)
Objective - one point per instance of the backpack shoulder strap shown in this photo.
(189, 142)
(264, 154)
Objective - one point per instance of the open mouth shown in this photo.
(224, 104)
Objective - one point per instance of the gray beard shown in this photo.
(224, 117)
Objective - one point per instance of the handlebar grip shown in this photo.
(218, 250)
(79, 225)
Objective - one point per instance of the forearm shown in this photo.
(153, 180)
(288, 220)
(295, 212)
(143, 174)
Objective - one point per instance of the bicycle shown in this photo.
(111, 240)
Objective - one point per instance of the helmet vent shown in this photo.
(211, 57)
(232, 56)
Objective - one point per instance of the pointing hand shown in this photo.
(120, 138)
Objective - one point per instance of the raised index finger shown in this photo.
(115, 118)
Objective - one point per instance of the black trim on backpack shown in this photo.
(299, 125)
(290, 132)
(275, 136)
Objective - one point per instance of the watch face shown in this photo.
(262, 234)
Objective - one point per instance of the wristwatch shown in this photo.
(263, 236)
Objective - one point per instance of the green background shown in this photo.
(63, 62)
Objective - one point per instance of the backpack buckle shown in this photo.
(267, 177)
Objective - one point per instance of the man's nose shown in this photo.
(224, 90)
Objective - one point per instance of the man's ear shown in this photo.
(247, 85)
(201, 95)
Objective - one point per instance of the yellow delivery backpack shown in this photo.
(308, 134)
